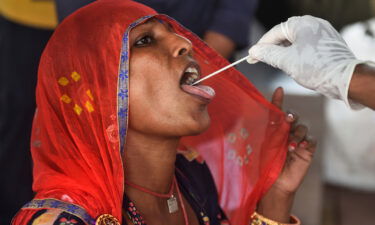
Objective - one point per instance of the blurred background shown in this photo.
(340, 186)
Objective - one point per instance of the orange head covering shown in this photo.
(80, 125)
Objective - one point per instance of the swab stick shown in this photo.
(220, 70)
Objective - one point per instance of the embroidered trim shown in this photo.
(123, 84)
(57, 204)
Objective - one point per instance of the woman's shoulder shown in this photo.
(46, 217)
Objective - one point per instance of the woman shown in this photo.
(114, 99)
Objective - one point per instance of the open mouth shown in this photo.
(190, 75)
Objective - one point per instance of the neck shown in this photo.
(150, 161)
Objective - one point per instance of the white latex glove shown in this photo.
(312, 52)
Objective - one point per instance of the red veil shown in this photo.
(80, 125)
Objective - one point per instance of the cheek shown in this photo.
(149, 105)
(158, 105)
(148, 99)
(143, 66)
(152, 84)
(155, 112)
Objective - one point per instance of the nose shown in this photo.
(181, 46)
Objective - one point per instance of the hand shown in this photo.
(312, 52)
(277, 202)
(301, 151)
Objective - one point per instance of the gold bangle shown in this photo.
(257, 219)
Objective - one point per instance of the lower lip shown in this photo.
(201, 91)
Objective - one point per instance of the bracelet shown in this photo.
(257, 219)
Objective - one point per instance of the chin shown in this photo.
(199, 126)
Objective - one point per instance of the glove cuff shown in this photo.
(344, 91)
(336, 85)
(350, 103)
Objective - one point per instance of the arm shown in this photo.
(276, 204)
(316, 57)
(230, 26)
(362, 85)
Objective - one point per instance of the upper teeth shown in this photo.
(192, 76)
(191, 70)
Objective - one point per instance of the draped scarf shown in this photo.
(79, 129)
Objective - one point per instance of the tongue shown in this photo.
(199, 90)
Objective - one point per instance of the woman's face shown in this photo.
(159, 59)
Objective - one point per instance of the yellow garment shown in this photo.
(35, 13)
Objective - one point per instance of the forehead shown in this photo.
(150, 24)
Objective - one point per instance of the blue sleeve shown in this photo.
(233, 19)
(66, 7)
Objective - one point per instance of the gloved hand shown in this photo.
(312, 52)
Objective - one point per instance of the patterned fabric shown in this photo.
(123, 82)
(44, 216)
(80, 126)
(56, 204)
